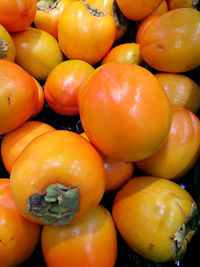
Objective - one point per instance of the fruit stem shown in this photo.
(56, 206)
(93, 11)
(3, 49)
(185, 233)
(46, 5)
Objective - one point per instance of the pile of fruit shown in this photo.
(99, 133)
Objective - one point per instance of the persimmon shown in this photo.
(90, 242)
(15, 141)
(40, 103)
(156, 217)
(117, 172)
(85, 33)
(17, 15)
(61, 88)
(7, 46)
(110, 7)
(137, 10)
(173, 47)
(181, 149)
(18, 96)
(144, 25)
(37, 52)
(48, 14)
(181, 90)
(127, 52)
(19, 236)
(125, 112)
(57, 179)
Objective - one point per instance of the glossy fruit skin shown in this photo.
(15, 141)
(134, 10)
(148, 211)
(181, 90)
(18, 97)
(96, 34)
(110, 7)
(58, 157)
(173, 47)
(40, 103)
(19, 236)
(117, 172)
(127, 52)
(144, 25)
(118, 96)
(16, 16)
(91, 242)
(10, 51)
(181, 149)
(47, 20)
(38, 60)
(62, 86)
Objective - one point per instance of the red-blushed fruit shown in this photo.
(125, 112)
(156, 217)
(181, 149)
(16, 16)
(91, 242)
(15, 141)
(61, 88)
(19, 236)
(18, 96)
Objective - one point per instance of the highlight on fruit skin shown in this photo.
(19, 236)
(173, 47)
(63, 178)
(122, 117)
(14, 142)
(181, 90)
(156, 218)
(127, 52)
(181, 150)
(117, 171)
(90, 242)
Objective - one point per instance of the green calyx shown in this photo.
(93, 11)
(3, 49)
(46, 5)
(56, 206)
(185, 233)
